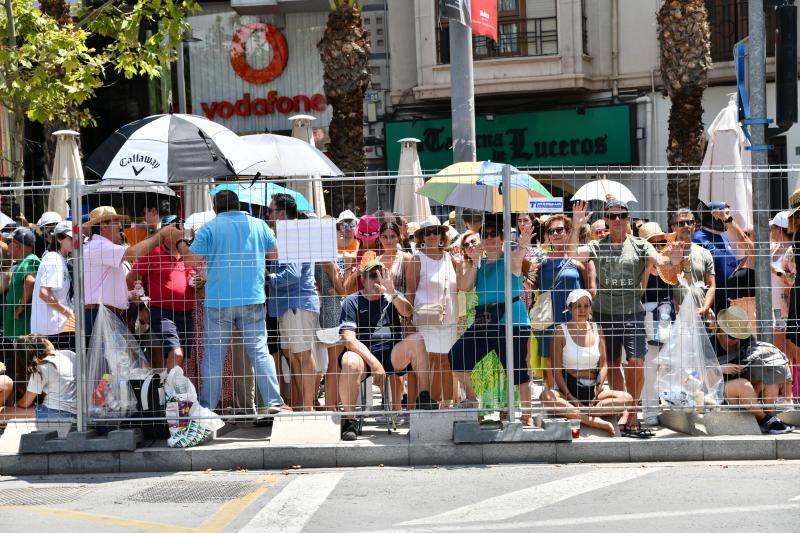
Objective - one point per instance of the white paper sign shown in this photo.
(545, 205)
(306, 241)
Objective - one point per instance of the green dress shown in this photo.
(15, 327)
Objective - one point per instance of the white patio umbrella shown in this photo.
(409, 180)
(67, 166)
(601, 188)
(726, 149)
(196, 199)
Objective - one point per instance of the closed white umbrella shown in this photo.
(726, 149)
(196, 199)
(311, 186)
(67, 166)
(409, 180)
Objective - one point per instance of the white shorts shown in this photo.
(298, 329)
(439, 339)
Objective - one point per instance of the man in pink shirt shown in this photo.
(103, 262)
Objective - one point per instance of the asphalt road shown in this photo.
(762, 497)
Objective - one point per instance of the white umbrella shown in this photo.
(290, 156)
(67, 166)
(409, 180)
(600, 189)
(726, 149)
(198, 219)
(196, 199)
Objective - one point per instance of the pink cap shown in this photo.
(368, 228)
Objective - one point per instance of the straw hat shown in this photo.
(104, 213)
(735, 322)
(650, 231)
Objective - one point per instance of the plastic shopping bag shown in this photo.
(189, 422)
(114, 358)
(689, 375)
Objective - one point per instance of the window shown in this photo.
(379, 43)
(375, 71)
(378, 20)
(379, 31)
(366, 21)
(375, 86)
(727, 20)
(518, 34)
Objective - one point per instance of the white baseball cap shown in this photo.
(577, 294)
(49, 218)
(781, 220)
(63, 228)
(346, 215)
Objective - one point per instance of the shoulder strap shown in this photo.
(555, 279)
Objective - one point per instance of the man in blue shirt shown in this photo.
(721, 235)
(293, 300)
(235, 247)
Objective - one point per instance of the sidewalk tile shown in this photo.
(227, 459)
(664, 450)
(445, 454)
(388, 455)
(519, 452)
(609, 450)
(739, 449)
(155, 460)
(788, 447)
(83, 463)
(307, 456)
(23, 465)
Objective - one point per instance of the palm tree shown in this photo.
(344, 51)
(685, 43)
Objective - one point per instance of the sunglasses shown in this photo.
(684, 223)
(556, 231)
(658, 243)
(374, 274)
(470, 244)
(348, 225)
(617, 216)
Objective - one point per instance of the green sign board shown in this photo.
(567, 137)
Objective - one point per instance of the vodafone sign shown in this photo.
(254, 83)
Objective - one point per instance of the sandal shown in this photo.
(635, 431)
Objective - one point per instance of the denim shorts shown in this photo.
(42, 412)
(171, 329)
(623, 331)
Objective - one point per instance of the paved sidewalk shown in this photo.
(248, 447)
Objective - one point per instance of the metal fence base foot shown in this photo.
(120, 440)
(552, 430)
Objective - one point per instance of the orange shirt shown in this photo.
(135, 234)
(353, 248)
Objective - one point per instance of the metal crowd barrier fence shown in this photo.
(326, 318)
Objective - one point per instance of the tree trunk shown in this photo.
(685, 147)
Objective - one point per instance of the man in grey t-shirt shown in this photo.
(698, 264)
(621, 260)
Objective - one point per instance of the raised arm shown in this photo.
(579, 217)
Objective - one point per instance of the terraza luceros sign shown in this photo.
(272, 102)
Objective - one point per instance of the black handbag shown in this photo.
(151, 402)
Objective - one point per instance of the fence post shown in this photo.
(78, 302)
(508, 296)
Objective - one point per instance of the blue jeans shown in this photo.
(42, 412)
(250, 321)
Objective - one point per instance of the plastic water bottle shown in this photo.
(664, 319)
(693, 385)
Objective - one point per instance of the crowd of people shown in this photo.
(415, 305)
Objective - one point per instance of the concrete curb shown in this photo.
(365, 453)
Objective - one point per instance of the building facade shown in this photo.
(569, 83)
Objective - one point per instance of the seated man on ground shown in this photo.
(580, 368)
(370, 328)
(753, 370)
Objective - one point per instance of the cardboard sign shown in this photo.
(306, 241)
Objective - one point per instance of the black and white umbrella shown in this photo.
(174, 149)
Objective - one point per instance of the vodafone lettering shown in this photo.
(264, 106)
(273, 103)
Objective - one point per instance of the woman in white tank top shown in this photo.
(431, 279)
(580, 367)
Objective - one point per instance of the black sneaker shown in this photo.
(772, 425)
(425, 403)
(349, 429)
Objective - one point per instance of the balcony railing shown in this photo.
(516, 38)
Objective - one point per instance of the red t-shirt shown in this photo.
(167, 279)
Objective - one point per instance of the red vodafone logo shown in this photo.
(280, 53)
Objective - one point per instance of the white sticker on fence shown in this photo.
(548, 205)
(306, 241)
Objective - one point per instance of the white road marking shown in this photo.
(523, 501)
(562, 522)
(293, 507)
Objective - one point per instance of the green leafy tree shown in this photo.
(49, 69)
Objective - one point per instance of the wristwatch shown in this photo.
(179, 241)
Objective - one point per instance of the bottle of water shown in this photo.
(664, 319)
(693, 385)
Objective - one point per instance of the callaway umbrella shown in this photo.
(260, 193)
(478, 185)
(600, 189)
(173, 149)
